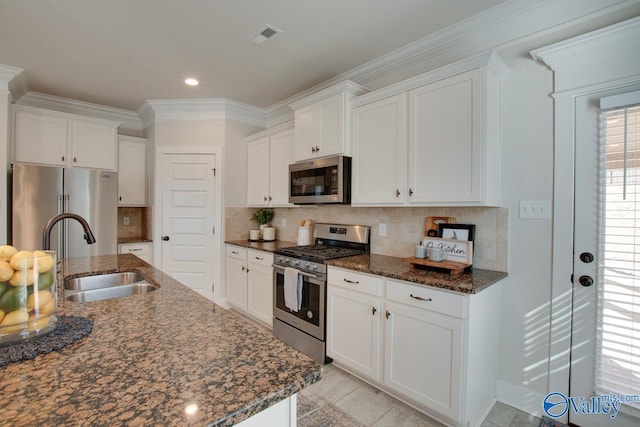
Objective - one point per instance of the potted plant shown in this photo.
(263, 216)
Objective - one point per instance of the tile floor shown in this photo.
(342, 400)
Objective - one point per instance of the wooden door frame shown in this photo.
(580, 68)
(218, 241)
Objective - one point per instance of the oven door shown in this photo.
(311, 316)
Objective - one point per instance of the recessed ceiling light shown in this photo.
(192, 82)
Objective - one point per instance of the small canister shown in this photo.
(420, 251)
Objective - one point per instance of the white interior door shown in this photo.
(188, 199)
(605, 350)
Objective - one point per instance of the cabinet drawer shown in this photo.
(260, 258)
(360, 282)
(426, 298)
(237, 252)
(135, 248)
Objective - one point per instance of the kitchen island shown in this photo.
(168, 357)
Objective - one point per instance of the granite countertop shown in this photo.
(261, 245)
(125, 240)
(395, 268)
(150, 356)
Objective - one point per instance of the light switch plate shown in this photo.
(125, 220)
(535, 209)
(382, 230)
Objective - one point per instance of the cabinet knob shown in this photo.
(410, 192)
(243, 268)
(387, 314)
(373, 311)
(165, 238)
(313, 149)
(120, 198)
(74, 160)
(63, 158)
(265, 198)
(397, 193)
(270, 198)
(317, 149)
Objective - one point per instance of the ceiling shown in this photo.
(119, 53)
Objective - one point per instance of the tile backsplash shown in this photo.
(404, 225)
(139, 222)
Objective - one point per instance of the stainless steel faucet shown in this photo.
(46, 233)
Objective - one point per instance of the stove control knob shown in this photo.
(295, 262)
(312, 267)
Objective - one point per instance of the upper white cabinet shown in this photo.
(269, 154)
(132, 171)
(322, 122)
(59, 139)
(432, 144)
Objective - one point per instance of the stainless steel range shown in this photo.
(300, 285)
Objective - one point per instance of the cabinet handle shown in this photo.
(387, 314)
(351, 281)
(410, 192)
(120, 198)
(63, 158)
(74, 160)
(397, 193)
(135, 250)
(373, 311)
(235, 252)
(259, 258)
(420, 298)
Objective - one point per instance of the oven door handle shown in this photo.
(300, 272)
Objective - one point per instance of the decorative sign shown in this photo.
(456, 250)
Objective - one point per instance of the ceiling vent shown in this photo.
(267, 33)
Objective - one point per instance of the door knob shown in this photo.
(586, 257)
(165, 238)
(586, 281)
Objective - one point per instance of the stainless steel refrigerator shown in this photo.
(42, 192)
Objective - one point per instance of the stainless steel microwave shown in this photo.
(319, 181)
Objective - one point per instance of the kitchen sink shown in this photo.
(114, 291)
(103, 281)
(107, 286)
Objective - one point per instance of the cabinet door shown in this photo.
(353, 331)
(237, 282)
(424, 357)
(445, 140)
(258, 173)
(306, 134)
(132, 175)
(379, 150)
(94, 145)
(281, 156)
(260, 296)
(40, 138)
(329, 116)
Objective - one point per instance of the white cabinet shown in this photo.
(249, 282)
(442, 141)
(236, 275)
(353, 322)
(59, 139)
(269, 155)
(132, 171)
(432, 348)
(142, 250)
(322, 122)
(260, 286)
(379, 151)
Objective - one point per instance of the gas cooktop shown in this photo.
(318, 253)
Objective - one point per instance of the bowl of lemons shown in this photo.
(28, 294)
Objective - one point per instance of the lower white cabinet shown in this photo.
(249, 282)
(142, 250)
(260, 286)
(436, 350)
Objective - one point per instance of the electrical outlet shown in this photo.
(283, 222)
(382, 229)
(535, 209)
(125, 220)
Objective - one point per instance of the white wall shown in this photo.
(527, 165)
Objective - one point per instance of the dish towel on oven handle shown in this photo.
(292, 289)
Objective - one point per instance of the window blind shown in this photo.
(618, 296)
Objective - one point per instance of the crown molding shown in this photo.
(587, 59)
(282, 127)
(128, 120)
(13, 80)
(346, 86)
(158, 110)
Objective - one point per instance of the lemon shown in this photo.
(22, 278)
(36, 323)
(5, 271)
(42, 262)
(7, 251)
(47, 308)
(1, 315)
(38, 299)
(14, 318)
(22, 260)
